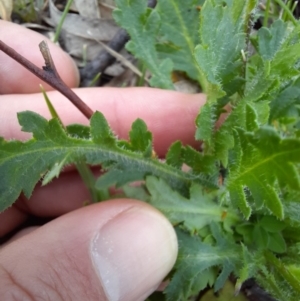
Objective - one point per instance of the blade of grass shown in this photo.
(267, 11)
(284, 15)
(61, 22)
(84, 55)
(286, 9)
(95, 80)
(294, 6)
(141, 80)
(50, 105)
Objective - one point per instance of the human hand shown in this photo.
(115, 250)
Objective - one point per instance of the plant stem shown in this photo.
(62, 19)
(266, 17)
(287, 11)
(282, 270)
(89, 181)
(49, 75)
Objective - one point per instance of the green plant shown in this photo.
(28, 10)
(236, 209)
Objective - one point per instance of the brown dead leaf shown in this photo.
(88, 8)
(6, 7)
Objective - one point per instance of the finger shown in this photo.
(58, 197)
(115, 250)
(169, 115)
(10, 219)
(19, 234)
(14, 78)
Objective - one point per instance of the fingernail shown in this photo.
(133, 252)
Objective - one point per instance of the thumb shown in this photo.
(118, 250)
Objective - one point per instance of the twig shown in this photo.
(103, 59)
(49, 75)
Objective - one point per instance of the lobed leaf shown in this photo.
(200, 210)
(219, 52)
(178, 34)
(270, 40)
(219, 58)
(194, 261)
(279, 53)
(22, 164)
(142, 24)
(267, 159)
(284, 104)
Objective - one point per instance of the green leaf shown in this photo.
(100, 130)
(285, 100)
(276, 243)
(246, 230)
(205, 123)
(179, 34)
(292, 210)
(118, 177)
(227, 293)
(174, 155)
(290, 287)
(226, 137)
(78, 131)
(271, 40)
(279, 50)
(55, 171)
(252, 262)
(295, 271)
(141, 138)
(22, 164)
(261, 237)
(259, 82)
(198, 211)
(271, 160)
(271, 224)
(143, 24)
(198, 162)
(238, 200)
(194, 260)
(219, 52)
(33, 123)
(248, 116)
(138, 192)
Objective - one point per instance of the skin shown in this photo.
(57, 261)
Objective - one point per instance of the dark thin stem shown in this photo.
(103, 59)
(49, 75)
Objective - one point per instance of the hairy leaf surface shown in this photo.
(143, 24)
(219, 52)
(279, 50)
(266, 159)
(195, 258)
(22, 164)
(179, 34)
(195, 213)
